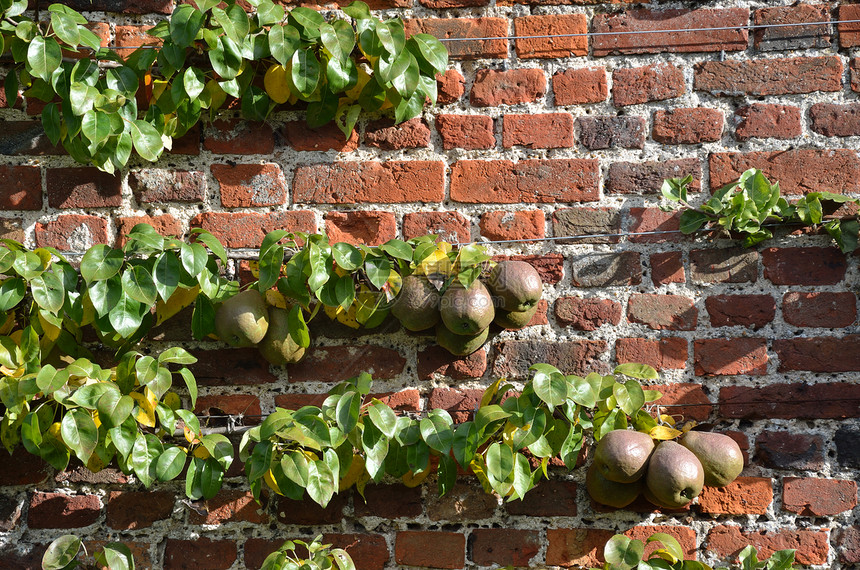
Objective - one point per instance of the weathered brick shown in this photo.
(187, 144)
(580, 86)
(461, 404)
(550, 498)
(447, 4)
(854, 66)
(22, 188)
(163, 186)
(544, 130)
(763, 120)
(791, 36)
(667, 267)
(12, 228)
(847, 451)
(463, 503)
(435, 360)
(849, 33)
(466, 131)
(239, 137)
(685, 536)
(368, 551)
(58, 510)
(250, 185)
(23, 468)
(384, 134)
(820, 309)
(765, 77)
(132, 37)
(787, 450)
(11, 509)
(527, 181)
(328, 137)
(522, 224)
(582, 547)
(507, 87)
(586, 221)
(435, 549)
(337, 363)
(72, 232)
(555, 24)
(586, 314)
(686, 398)
(724, 265)
(513, 357)
(648, 177)
(133, 510)
(452, 227)
(688, 126)
(200, 553)
(248, 230)
(848, 544)
(123, 6)
(82, 187)
(164, 224)
(791, 401)
(647, 220)
(653, 20)
(740, 310)
(730, 356)
(606, 269)
(77, 472)
(663, 312)
(662, 354)
(355, 182)
(818, 354)
(502, 546)
(804, 265)
(743, 496)
(230, 505)
(450, 86)
(550, 266)
(636, 85)
(239, 366)
(596, 133)
(835, 120)
(243, 405)
(465, 28)
(26, 138)
(369, 228)
(798, 170)
(811, 546)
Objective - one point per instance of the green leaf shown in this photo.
(176, 355)
(347, 411)
(432, 50)
(104, 295)
(321, 483)
(640, 371)
(170, 463)
(123, 437)
(622, 552)
(137, 282)
(212, 243)
(670, 545)
(96, 126)
(551, 388)
(347, 256)
(127, 315)
(269, 13)
(255, 104)
(61, 552)
(392, 35)
(283, 43)
(43, 57)
(116, 556)
(184, 24)
(378, 270)
(166, 274)
(692, 220)
(358, 10)
(101, 262)
(194, 82)
(147, 448)
(307, 21)
(190, 384)
(234, 21)
(447, 474)
(203, 317)
(193, 257)
(781, 560)
(436, 431)
(80, 433)
(88, 395)
(12, 291)
(66, 28)
(114, 408)
(51, 123)
(465, 443)
(306, 72)
(398, 249)
(49, 379)
(383, 418)
(146, 139)
(298, 327)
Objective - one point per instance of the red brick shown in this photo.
(606, 269)
(791, 401)
(544, 130)
(655, 220)
(23, 468)
(337, 363)
(239, 137)
(798, 171)
(600, 132)
(72, 232)
(244, 405)
(581, 547)
(200, 553)
(369, 228)
(329, 137)
(26, 138)
(804, 265)
(164, 186)
(450, 86)
(816, 497)
(603, 223)
(58, 510)
(650, 20)
(234, 367)
(462, 504)
(685, 535)
(522, 224)
(503, 546)
(550, 498)
(250, 185)
(848, 544)
(744, 496)
(724, 265)
(730, 356)
(385, 135)
(811, 545)
(466, 131)
(465, 28)
(786, 450)
(579, 86)
(165, 224)
(661, 354)
(854, 66)
(740, 310)
(648, 177)
(297, 401)
(188, 144)
(819, 354)
(133, 510)
(667, 267)
(761, 120)
(545, 25)
(248, 230)
(230, 505)
(687, 399)
(140, 551)
(435, 549)
(435, 360)
(513, 357)
(395, 181)
(133, 36)
(791, 36)
(586, 314)
(687, 126)
(849, 33)
(82, 187)
(822, 309)
(452, 227)
(764, 77)
(22, 188)
(507, 87)
(835, 120)
(461, 404)
(408, 400)
(368, 551)
(663, 312)
(526, 181)
(389, 502)
(549, 266)
(636, 85)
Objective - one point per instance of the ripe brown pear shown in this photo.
(417, 304)
(674, 477)
(720, 455)
(517, 284)
(622, 455)
(514, 319)
(467, 311)
(243, 319)
(610, 493)
(458, 344)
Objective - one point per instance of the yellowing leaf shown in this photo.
(356, 468)
(276, 84)
(348, 318)
(663, 433)
(158, 88)
(412, 480)
(276, 299)
(270, 481)
(172, 401)
(8, 324)
(437, 263)
(200, 452)
(254, 268)
(145, 415)
(667, 419)
(95, 463)
(180, 299)
(689, 425)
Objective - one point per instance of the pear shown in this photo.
(278, 347)
(610, 493)
(675, 476)
(243, 319)
(720, 455)
(467, 311)
(417, 304)
(517, 284)
(458, 344)
(515, 319)
(622, 455)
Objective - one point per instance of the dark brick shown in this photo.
(596, 133)
(81, 187)
(463, 503)
(786, 450)
(238, 137)
(26, 138)
(492, 546)
(730, 356)
(389, 502)
(847, 450)
(765, 77)
(587, 314)
(435, 549)
(200, 553)
(740, 310)
(667, 267)
(804, 265)
(22, 188)
(514, 357)
(819, 354)
(835, 120)
(606, 269)
(791, 401)
(435, 360)
(636, 85)
(337, 363)
(23, 468)
(234, 367)
(58, 510)
(164, 186)
(848, 544)
(791, 37)
(724, 265)
(820, 309)
(585, 221)
(306, 512)
(328, 137)
(685, 398)
(648, 177)
(133, 510)
(550, 498)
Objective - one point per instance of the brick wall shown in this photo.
(532, 138)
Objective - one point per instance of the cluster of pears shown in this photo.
(462, 315)
(245, 320)
(669, 474)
